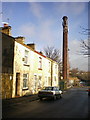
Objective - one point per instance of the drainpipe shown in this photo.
(51, 72)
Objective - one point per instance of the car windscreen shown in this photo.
(49, 88)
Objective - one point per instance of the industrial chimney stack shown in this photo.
(65, 47)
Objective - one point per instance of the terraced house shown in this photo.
(24, 70)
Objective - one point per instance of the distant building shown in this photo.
(24, 70)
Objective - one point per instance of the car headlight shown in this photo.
(53, 92)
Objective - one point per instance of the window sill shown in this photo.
(26, 65)
(39, 68)
(25, 88)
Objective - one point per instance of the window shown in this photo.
(25, 80)
(49, 81)
(35, 82)
(40, 63)
(56, 69)
(26, 57)
(46, 82)
(49, 67)
(54, 78)
(39, 81)
(49, 88)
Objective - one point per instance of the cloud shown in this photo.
(69, 8)
(27, 30)
(46, 30)
(36, 9)
(42, 33)
(77, 60)
(77, 8)
(45, 34)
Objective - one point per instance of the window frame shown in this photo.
(40, 63)
(56, 68)
(26, 57)
(49, 66)
(25, 79)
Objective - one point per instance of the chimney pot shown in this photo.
(20, 39)
(6, 29)
(32, 45)
(5, 24)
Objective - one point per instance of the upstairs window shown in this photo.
(40, 63)
(56, 69)
(55, 78)
(49, 66)
(26, 57)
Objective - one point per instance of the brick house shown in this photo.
(24, 70)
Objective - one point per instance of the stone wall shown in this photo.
(6, 80)
(7, 54)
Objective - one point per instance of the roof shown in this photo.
(5, 27)
(29, 47)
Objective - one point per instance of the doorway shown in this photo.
(17, 92)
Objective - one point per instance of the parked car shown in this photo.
(50, 92)
(89, 91)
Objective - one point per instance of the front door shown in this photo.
(17, 92)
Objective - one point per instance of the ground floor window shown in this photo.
(54, 80)
(25, 80)
(46, 82)
(49, 81)
(39, 81)
(35, 82)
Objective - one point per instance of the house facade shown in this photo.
(28, 70)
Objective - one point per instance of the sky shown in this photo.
(41, 23)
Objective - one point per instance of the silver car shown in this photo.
(50, 92)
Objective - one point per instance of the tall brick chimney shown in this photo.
(65, 47)
(6, 29)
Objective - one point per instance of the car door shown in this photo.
(57, 89)
(56, 92)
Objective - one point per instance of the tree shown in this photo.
(85, 48)
(74, 72)
(53, 53)
(85, 45)
(82, 75)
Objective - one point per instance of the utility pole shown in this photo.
(65, 48)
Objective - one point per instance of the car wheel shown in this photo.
(40, 98)
(60, 96)
(54, 98)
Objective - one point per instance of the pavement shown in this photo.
(18, 100)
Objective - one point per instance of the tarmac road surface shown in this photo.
(73, 104)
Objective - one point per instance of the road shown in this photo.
(73, 104)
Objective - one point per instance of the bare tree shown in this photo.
(85, 45)
(52, 53)
(85, 48)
